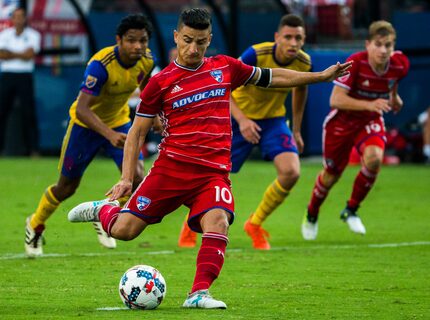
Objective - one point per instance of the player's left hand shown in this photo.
(299, 141)
(336, 71)
(122, 188)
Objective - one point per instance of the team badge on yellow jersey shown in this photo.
(90, 81)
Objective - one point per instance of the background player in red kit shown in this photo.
(192, 97)
(358, 102)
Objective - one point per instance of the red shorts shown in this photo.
(170, 183)
(340, 136)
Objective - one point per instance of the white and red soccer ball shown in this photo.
(142, 287)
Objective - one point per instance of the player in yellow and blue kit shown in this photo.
(259, 115)
(99, 119)
(260, 119)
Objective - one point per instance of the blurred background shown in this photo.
(73, 30)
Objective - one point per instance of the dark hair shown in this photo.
(291, 20)
(134, 21)
(196, 18)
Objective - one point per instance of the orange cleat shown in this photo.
(187, 237)
(258, 235)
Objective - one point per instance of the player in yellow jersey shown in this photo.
(259, 119)
(99, 119)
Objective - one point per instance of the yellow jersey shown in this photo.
(264, 103)
(112, 82)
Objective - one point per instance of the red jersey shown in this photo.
(194, 107)
(364, 83)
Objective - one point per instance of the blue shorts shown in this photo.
(80, 146)
(275, 138)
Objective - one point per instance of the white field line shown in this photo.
(12, 256)
(112, 308)
(15, 256)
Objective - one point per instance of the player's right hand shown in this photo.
(122, 188)
(335, 71)
(378, 105)
(117, 139)
(250, 131)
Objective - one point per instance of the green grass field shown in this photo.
(382, 275)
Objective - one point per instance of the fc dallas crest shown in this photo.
(217, 75)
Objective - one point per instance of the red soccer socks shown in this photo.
(210, 260)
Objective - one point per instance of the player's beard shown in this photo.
(135, 56)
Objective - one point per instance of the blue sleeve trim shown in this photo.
(95, 77)
(249, 57)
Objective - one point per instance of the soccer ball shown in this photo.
(142, 287)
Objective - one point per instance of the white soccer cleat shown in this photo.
(355, 224)
(309, 229)
(105, 240)
(203, 300)
(353, 221)
(89, 211)
(33, 240)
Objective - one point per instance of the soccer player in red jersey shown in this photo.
(358, 102)
(192, 97)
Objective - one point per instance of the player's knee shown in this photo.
(373, 161)
(221, 224)
(289, 176)
(218, 222)
(64, 191)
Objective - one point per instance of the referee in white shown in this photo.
(18, 46)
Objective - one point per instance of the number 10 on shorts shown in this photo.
(223, 194)
(373, 127)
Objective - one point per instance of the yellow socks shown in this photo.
(123, 200)
(47, 205)
(272, 198)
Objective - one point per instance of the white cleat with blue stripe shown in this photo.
(203, 300)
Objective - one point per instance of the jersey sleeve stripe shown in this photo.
(145, 115)
(341, 85)
(254, 70)
(106, 62)
(263, 52)
(107, 57)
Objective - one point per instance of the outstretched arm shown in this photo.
(284, 78)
